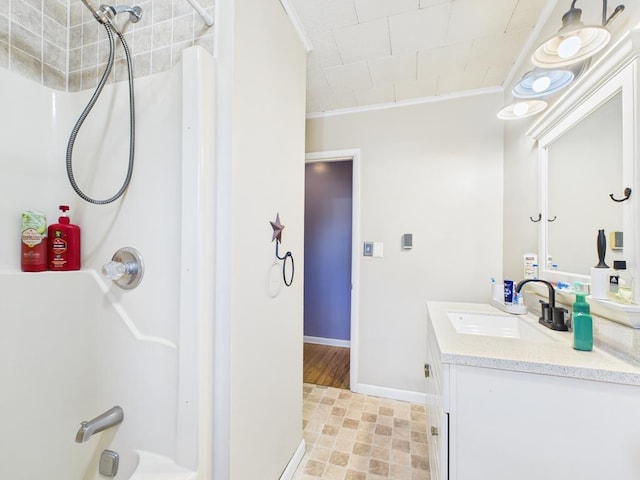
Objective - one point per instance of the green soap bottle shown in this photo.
(582, 324)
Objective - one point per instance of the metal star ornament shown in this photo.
(277, 229)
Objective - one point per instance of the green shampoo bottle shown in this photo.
(582, 324)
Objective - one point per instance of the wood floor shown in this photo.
(325, 365)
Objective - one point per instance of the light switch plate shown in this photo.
(368, 249)
(377, 249)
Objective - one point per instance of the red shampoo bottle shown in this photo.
(64, 244)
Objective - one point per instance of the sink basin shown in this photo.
(495, 325)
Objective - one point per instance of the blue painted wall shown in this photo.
(327, 250)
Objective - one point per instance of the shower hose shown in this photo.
(94, 98)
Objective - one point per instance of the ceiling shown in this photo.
(368, 52)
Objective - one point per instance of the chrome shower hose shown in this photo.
(94, 98)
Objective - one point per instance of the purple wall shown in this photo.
(327, 250)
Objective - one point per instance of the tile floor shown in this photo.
(349, 436)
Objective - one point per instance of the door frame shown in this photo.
(354, 156)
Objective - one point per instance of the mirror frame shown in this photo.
(615, 72)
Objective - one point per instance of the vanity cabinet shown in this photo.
(501, 422)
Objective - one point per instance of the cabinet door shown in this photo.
(437, 418)
(438, 433)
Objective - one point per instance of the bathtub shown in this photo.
(73, 345)
(64, 361)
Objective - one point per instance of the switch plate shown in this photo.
(368, 249)
(377, 249)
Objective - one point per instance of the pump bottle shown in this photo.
(64, 244)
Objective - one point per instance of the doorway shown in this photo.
(330, 275)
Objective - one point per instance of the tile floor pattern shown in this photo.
(350, 436)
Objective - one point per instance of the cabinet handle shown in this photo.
(434, 431)
(427, 370)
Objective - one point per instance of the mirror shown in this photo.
(584, 166)
(586, 150)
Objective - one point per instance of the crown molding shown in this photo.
(297, 24)
(405, 103)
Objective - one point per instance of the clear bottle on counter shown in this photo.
(625, 282)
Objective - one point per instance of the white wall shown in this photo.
(434, 170)
(261, 98)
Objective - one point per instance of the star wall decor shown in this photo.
(277, 236)
(277, 229)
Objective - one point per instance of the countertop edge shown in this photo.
(457, 349)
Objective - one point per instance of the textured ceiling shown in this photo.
(367, 52)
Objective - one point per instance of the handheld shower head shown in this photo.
(108, 12)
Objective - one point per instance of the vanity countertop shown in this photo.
(553, 357)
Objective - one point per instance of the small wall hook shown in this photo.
(537, 219)
(555, 217)
(627, 194)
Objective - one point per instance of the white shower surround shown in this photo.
(73, 345)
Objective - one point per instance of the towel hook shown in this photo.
(552, 219)
(537, 219)
(277, 236)
(627, 194)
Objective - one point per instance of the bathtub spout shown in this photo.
(108, 419)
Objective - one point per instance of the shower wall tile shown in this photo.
(55, 33)
(183, 29)
(75, 60)
(25, 64)
(54, 78)
(143, 39)
(167, 27)
(75, 14)
(4, 55)
(35, 33)
(142, 64)
(37, 4)
(4, 29)
(27, 16)
(55, 57)
(26, 41)
(57, 11)
(60, 44)
(160, 60)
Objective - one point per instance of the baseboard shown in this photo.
(392, 393)
(290, 471)
(332, 342)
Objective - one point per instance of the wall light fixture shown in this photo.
(575, 41)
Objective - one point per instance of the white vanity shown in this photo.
(515, 401)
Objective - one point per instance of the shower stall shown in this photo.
(73, 345)
(194, 374)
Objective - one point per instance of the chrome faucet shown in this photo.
(552, 317)
(108, 419)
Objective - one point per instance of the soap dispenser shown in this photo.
(601, 272)
(64, 243)
(582, 324)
